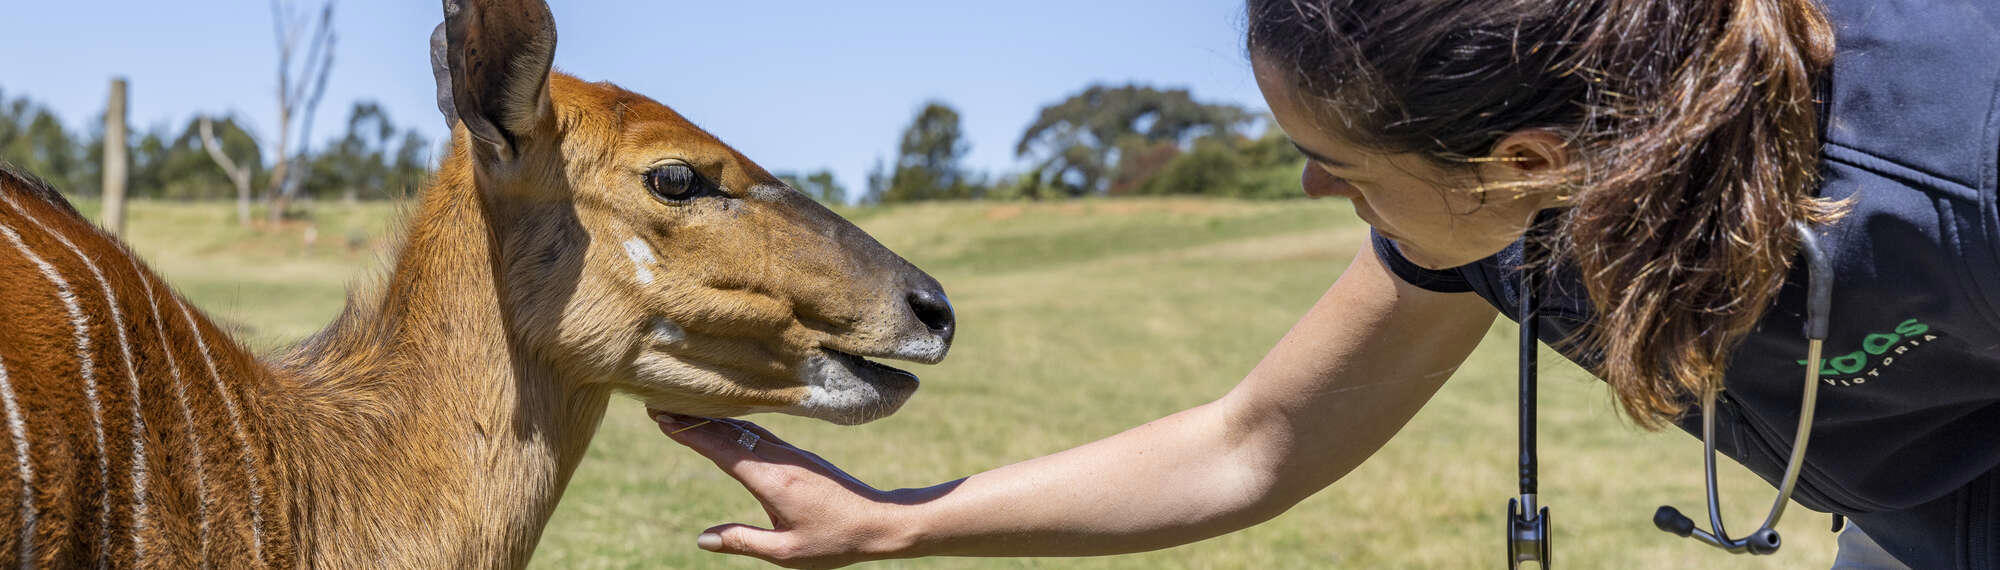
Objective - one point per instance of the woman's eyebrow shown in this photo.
(1319, 158)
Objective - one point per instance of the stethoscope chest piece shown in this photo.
(1527, 534)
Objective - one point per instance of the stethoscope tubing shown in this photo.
(1527, 520)
(1528, 528)
(1765, 540)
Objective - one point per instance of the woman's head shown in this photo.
(1681, 136)
(1444, 213)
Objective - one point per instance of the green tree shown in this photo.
(1077, 143)
(820, 185)
(1271, 166)
(1211, 167)
(372, 159)
(356, 161)
(34, 139)
(878, 183)
(1138, 162)
(928, 161)
(1232, 166)
(412, 167)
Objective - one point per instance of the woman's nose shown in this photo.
(1318, 184)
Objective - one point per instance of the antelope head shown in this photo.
(636, 250)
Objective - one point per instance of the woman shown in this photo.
(1661, 152)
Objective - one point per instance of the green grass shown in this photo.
(1078, 320)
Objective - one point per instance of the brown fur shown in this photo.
(437, 420)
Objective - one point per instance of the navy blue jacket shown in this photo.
(1907, 437)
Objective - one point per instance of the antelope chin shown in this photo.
(847, 389)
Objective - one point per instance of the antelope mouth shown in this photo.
(847, 389)
(856, 361)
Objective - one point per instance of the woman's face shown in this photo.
(1438, 218)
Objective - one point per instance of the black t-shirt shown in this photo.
(1907, 436)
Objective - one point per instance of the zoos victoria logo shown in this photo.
(1879, 351)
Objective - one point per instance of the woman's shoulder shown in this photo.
(1914, 89)
(1913, 144)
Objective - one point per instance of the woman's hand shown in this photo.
(820, 516)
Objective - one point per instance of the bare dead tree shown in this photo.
(238, 175)
(300, 88)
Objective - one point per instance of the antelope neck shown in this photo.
(421, 432)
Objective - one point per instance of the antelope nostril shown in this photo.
(934, 310)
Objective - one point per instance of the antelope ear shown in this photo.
(493, 68)
(441, 71)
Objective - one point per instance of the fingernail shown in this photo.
(709, 541)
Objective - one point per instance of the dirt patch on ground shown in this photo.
(1325, 244)
(1122, 207)
(1003, 213)
(1201, 207)
(1119, 207)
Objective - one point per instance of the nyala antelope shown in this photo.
(579, 240)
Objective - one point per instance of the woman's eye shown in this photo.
(674, 183)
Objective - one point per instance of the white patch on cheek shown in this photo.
(667, 332)
(642, 260)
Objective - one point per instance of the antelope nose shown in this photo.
(931, 307)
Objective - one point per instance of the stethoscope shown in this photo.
(1528, 523)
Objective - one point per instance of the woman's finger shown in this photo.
(723, 443)
(744, 540)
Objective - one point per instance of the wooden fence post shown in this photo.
(116, 160)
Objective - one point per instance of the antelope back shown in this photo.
(132, 431)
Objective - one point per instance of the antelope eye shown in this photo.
(674, 183)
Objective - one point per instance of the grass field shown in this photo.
(1078, 320)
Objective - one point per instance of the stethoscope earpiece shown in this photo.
(1764, 541)
(1671, 520)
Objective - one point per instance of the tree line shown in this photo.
(372, 159)
(1123, 140)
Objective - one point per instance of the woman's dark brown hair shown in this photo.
(1691, 126)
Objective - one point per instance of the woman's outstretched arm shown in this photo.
(1334, 389)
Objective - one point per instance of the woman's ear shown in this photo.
(1522, 157)
(491, 59)
(1529, 152)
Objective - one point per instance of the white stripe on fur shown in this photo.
(85, 362)
(242, 437)
(140, 507)
(187, 412)
(26, 549)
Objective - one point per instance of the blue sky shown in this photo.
(794, 84)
